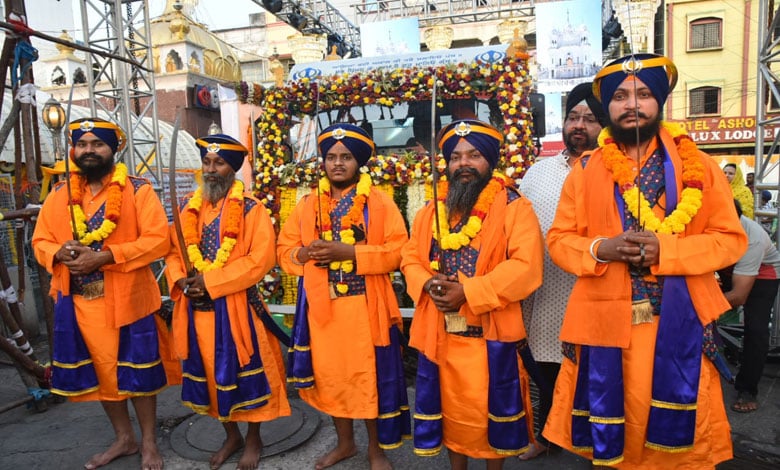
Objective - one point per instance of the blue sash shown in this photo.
(238, 388)
(507, 428)
(507, 432)
(672, 423)
(394, 421)
(428, 429)
(300, 371)
(73, 372)
(140, 369)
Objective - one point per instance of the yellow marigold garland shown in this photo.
(113, 206)
(472, 227)
(624, 173)
(192, 234)
(353, 217)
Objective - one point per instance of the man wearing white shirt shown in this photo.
(543, 311)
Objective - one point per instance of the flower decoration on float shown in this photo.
(624, 172)
(507, 82)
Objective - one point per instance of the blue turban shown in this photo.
(656, 71)
(484, 137)
(106, 131)
(226, 147)
(353, 137)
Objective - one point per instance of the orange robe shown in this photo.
(508, 269)
(252, 257)
(599, 308)
(130, 288)
(344, 331)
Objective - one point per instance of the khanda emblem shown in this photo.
(339, 133)
(213, 147)
(632, 66)
(87, 126)
(463, 129)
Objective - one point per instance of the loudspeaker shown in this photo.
(537, 114)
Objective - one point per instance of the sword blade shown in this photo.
(434, 166)
(66, 157)
(174, 199)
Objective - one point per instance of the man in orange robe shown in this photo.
(638, 387)
(108, 343)
(233, 368)
(344, 239)
(467, 275)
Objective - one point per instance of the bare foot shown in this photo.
(150, 457)
(335, 456)
(534, 450)
(119, 448)
(229, 447)
(377, 460)
(250, 459)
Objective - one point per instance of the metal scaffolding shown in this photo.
(318, 17)
(125, 91)
(767, 167)
(432, 12)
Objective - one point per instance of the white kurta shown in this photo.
(543, 310)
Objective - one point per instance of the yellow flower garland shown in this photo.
(353, 217)
(112, 211)
(472, 227)
(192, 235)
(621, 167)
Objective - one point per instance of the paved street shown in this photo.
(68, 434)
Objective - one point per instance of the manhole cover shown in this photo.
(198, 437)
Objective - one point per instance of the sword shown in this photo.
(66, 157)
(434, 166)
(175, 200)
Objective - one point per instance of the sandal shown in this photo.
(746, 403)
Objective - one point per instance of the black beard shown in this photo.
(94, 171)
(341, 185)
(213, 191)
(575, 150)
(461, 197)
(629, 136)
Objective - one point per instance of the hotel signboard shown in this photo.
(733, 130)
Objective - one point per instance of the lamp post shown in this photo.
(54, 119)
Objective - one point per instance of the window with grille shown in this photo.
(706, 33)
(705, 100)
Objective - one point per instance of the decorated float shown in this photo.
(481, 82)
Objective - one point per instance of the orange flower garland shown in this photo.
(457, 240)
(113, 206)
(624, 174)
(353, 217)
(192, 234)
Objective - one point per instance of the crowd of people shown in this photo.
(595, 280)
